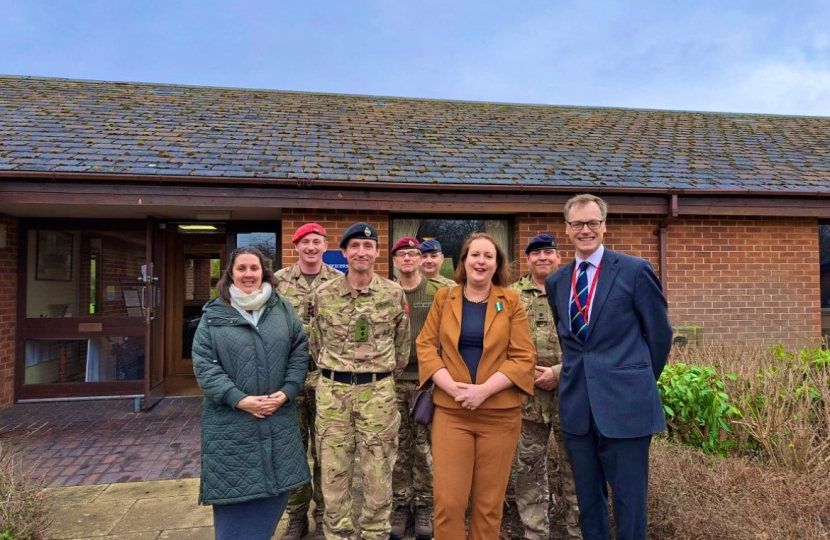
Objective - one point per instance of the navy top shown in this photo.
(471, 341)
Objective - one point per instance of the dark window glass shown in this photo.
(84, 360)
(824, 264)
(451, 233)
(266, 242)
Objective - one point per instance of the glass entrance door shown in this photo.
(84, 330)
(195, 260)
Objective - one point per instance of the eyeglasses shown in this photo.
(405, 254)
(594, 224)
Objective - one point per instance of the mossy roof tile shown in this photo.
(65, 125)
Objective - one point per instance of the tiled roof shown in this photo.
(59, 125)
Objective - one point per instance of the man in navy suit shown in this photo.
(612, 320)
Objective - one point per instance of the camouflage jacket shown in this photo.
(294, 287)
(542, 406)
(357, 332)
(445, 281)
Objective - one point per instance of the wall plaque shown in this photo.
(90, 327)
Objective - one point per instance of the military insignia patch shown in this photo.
(361, 331)
(367, 231)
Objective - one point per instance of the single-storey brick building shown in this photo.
(119, 203)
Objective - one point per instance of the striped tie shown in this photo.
(579, 326)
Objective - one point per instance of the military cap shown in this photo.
(305, 230)
(361, 230)
(541, 241)
(430, 246)
(405, 242)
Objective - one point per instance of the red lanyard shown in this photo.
(586, 309)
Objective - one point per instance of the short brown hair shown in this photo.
(225, 282)
(503, 275)
(583, 199)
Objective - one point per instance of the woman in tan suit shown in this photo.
(483, 373)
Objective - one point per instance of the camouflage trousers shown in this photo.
(412, 479)
(301, 497)
(357, 421)
(532, 484)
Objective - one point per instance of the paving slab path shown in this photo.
(158, 510)
(75, 443)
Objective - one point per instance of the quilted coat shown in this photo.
(243, 457)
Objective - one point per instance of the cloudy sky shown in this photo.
(761, 56)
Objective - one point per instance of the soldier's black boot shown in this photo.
(297, 528)
(319, 534)
(401, 520)
(423, 523)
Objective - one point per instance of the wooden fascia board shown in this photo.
(243, 197)
(460, 202)
(755, 206)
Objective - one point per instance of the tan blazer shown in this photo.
(508, 346)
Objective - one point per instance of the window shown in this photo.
(84, 321)
(824, 269)
(78, 273)
(266, 242)
(451, 233)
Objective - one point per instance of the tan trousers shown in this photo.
(472, 454)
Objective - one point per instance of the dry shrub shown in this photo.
(694, 496)
(784, 396)
(24, 505)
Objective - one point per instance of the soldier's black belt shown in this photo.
(347, 377)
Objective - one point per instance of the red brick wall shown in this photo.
(8, 311)
(629, 234)
(202, 279)
(733, 277)
(749, 279)
(335, 224)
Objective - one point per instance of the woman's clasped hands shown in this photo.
(262, 406)
(471, 396)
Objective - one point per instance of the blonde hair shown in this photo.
(583, 199)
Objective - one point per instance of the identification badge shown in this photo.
(541, 318)
(361, 331)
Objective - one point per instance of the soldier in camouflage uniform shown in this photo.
(295, 284)
(360, 339)
(539, 414)
(412, 481)
(432, 259)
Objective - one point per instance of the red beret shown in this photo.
(307, 229)
(406, 242)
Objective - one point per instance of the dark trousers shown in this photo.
(249, 520)
(623, 463)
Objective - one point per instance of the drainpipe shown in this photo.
(662, 235)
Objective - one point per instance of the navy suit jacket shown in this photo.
(613, 374)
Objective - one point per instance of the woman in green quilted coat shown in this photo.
(250, 357)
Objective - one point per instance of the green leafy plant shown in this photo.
(698, 410)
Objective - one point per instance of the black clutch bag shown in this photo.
(423, 408)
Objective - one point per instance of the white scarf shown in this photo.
(250, 302)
